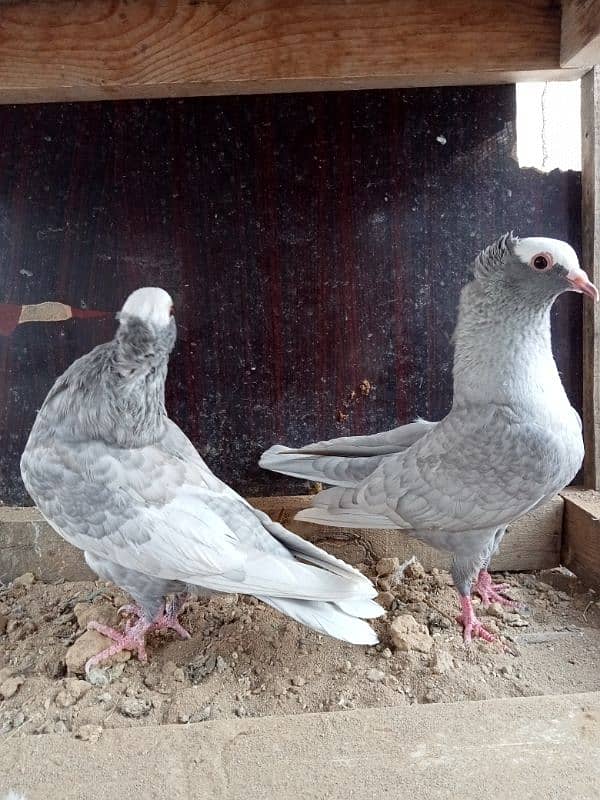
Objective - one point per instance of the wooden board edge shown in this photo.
(580, 550)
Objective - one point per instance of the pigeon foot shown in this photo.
(472, 627)
(164, 620)
(167, 619)
(492, 592)
(132, 638)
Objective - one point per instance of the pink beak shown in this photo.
(579, 282)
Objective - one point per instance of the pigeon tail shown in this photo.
(345, 461)
(329, 618)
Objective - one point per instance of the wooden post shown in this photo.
(590, 180)
(580, 33)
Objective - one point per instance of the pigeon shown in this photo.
(114, 476)
(510, 441)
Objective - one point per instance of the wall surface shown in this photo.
(315, 246)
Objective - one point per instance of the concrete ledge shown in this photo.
(28, 544)
(540, 748)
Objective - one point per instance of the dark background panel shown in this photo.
(311, 242)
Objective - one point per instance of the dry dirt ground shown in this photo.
(245, 659)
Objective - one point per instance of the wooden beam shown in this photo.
(106, 49)
(590, 210)
(580, 33)
(28, 544)
(580, 550)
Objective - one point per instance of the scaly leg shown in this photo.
(166, 619)
(471, 625)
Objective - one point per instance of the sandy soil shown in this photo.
(245, 659)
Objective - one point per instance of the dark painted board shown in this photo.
(310, 242)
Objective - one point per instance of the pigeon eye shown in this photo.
(541, 262)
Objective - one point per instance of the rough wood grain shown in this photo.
(580, 33)
(60, 50)
(590, 219)
(28, 544)
(581, 535)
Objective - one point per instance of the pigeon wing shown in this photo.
(155, 513)
(475, 471)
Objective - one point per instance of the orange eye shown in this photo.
(541, 262)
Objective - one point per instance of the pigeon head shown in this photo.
(151, 305)
(146, 335)
(534, 267)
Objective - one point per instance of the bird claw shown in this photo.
(167, 620)
(130, 610)
(490, 592)
(472, 627)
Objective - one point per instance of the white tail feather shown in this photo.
(357, 607)
(315, 555)
(326, 618)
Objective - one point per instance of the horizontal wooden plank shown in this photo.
(581, 535)
(28, 544)
(107, 49)
(532, 542)
(580, 36)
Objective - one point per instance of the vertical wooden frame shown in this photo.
(590, 180)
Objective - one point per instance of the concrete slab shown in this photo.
(539, 748)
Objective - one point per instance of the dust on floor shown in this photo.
(245, 659)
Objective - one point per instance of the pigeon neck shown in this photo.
(503, 350)
(138, 374)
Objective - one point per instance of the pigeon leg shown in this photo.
(472, 627)
(132, 638)
(167, 619)
(492, 592)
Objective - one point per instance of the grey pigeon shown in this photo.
(510, 441)
(117, 478)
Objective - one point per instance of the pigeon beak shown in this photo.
(579, 282)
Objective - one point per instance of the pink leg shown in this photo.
(164, 620)
(134, 635)
(492, 592)
(132, 638)
(167, 619)
(472, 626)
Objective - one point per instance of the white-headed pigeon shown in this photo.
(510, 441)
(117, 478)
